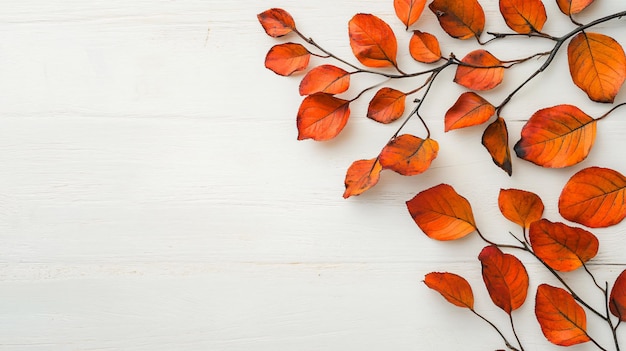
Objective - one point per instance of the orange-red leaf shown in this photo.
(617, 301)
(470, 109)
(288, 58)
(505, 277)
(482, 71)
(523, 16)
(460, 19)
(387, 105)
(276, 22)
(520, 207)
(424, 47)
(409, 11)
(372, 41)
(594, 197)
(408, 154)
(597, 64)
(362, 175)
(322, 116)
(563, 322)
(452, 287)
(496, 141)
(558, 136)
(570, 7)
(325, 79)
(560, 246)
(441, 213)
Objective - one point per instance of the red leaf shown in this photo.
(461, 19)
(361, 176)
(469, 110)
(520, 207)
(322, 116)
(276, 22)
(505, 277)
(424, 47)
(496, 141)
(562, 320)
(594, 197)
(409, 11)
(560, 246)
(288, 58)
(408, 154)
(570, 7)
(452, 287)
(387, 105)
(372, 41)
(617, 301)
(524, 16)
(558, 136)
(325, 79)
(482, 71)
(441, 213)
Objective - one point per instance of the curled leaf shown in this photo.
(387, 105)
(481, 71)
(286, 59)
(424, 47)
(562, 320)
(505, 277)
(461, 19)
(520, 207)
(409, 155)
(617, 301)
(570, 7)
(276, 22)
(454, 288)
(372, 41)
(594, 197)
(496, 141)
(325, 79)
(524, 16)
(470, 109)
(361, 176)
(322, 116)
(409, 11)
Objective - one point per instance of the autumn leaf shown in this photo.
(556, 137)
(387, 105)
(597, 64)
(361, 176)
(570, 7)
(520, 207)
(496, 141)
(460, 19)
(286, 59)
(594, 197)
(470, 109)
(408, 11)
(480, 71)
(523, 16)
(322, 116)
(617, 301)
(505, 277)
(560, 246)
(441, 213)
(276, 22)
(409, 155)
(372, 41)
(325, 79)
(563, 322)
(424, 47)
(452, 287)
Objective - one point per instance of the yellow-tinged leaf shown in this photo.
(372, 41)
(409, 155)
(361, 176)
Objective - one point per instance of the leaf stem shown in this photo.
(608, 316)
(508, 344)
(611, 110)
(515, 332)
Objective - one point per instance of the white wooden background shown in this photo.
(153, 195)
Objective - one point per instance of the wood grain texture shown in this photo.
(153, 195)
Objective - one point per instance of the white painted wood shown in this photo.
(153, 195)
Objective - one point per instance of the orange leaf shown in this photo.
(594, 197)
(288, 58)
(617, 301)
(322, 116)
(361, 176)
(461, 19)
(408, 154)
(452, 287)
(409, 11)
(325, 79)
(276, 22)
(570, 7)
(505, 277)
(524, 16)
(597, 64)
(424, 47)
(520, 207)
(482, 71)
(387, 105)
(441, 213)
(560, 246)
(556, 137)
(372, 41)
(470, 109)
(562, 320)
(496, 140)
